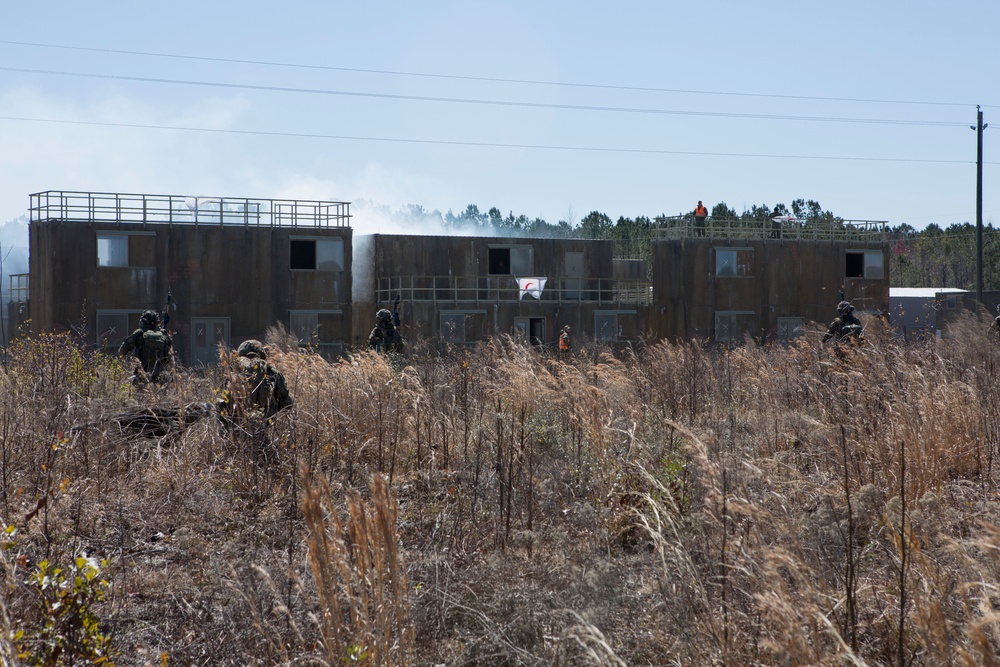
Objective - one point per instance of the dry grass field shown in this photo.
(676, 505)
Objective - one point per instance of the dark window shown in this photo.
(500, 261)
(303, 254)
(317, 254)
(855, 265)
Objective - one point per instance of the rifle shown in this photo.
(395, 311)
(165, 315)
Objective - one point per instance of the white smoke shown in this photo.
(15, 232)
(13, 251)
(362, 263)
(368, 217)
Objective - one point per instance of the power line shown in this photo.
(535, 82)
(487, 102)
(477, 144)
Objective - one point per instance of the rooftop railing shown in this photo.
(779, 227)
(186, 210)
(504, 289)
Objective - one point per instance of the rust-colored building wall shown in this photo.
(469, 255)
(238, 274)
(442, 274)
(775, 279)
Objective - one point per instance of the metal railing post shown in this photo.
(145, 209)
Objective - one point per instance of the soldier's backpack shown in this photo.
(155, 346)
(260, 382)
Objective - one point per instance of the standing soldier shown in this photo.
(844, 327)
(385, 336)
(564, 341)
(152, 346)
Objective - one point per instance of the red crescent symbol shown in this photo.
(527, 285)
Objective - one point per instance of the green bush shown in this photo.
(69, 632)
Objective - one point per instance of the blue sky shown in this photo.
(683, 101)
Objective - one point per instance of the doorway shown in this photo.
(531, 329)
(206, 334)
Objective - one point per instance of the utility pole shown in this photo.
(979, 127)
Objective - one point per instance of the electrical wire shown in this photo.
(503, 103)
(477, 144)
(534, 82)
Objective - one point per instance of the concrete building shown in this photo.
(232, 267)
(461, 289)
(732, 278)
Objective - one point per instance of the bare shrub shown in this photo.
(359, 577)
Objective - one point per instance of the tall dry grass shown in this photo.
(674, 504)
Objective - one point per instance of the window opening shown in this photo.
(732, 326)
(605, 327)
(500, 261)
(316, 254)
(112, 250)
(463, 326)
(790, 328)
(733, 262)
(864, 264)
(303, 254)
(510, 260)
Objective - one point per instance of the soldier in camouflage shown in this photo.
(263, 392)
(385, 337)
(152, 346)
(845, 327)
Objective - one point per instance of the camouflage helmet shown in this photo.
(251, 348)
(149, 318)
(383, 317)
(844, 307)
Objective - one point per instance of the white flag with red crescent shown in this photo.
(532, 286)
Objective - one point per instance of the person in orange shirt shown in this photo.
(700, 213)
(564, 342)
